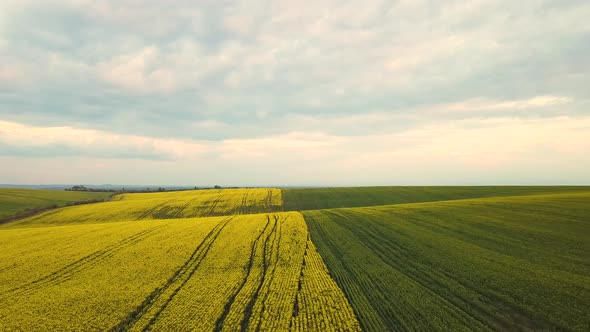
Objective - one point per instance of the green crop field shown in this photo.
(328, 198)
(426, 258)
(511, 263)
(14, 201)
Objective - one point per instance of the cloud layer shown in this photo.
(291, 92)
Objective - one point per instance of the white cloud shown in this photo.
(90, 142)
(475, 138)
(133, 71)
(481, 104)
(500, 141)
(302, 143)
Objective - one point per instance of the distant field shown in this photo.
(166, 205)
(327, 198)
(13, 201)
(511, 263)
(254, 272)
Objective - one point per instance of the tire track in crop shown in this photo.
(243, 208)
(269, 198)
(277, 250)
(181, 209)
(181, 275)
(152, 210)
(211, 211)
(81, 264)
(171, 212)
(295, 311)
(86, 261)
(268, 201)
(226, 309)
(266, 260)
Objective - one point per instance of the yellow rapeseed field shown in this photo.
(238, 272)
(166, 205)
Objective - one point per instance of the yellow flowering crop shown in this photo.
(256, 272)
(166, 205)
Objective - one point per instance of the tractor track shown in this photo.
(227, 308)
(277, 239)
(81, 264)
(181, 275)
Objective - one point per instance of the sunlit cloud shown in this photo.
(478, 105)
(95, 143)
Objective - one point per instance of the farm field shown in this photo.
(296, 199)
(13, 201)
(506, 263)
(504, 258)
(230, 273)
(166, 205)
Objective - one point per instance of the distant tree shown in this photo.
(79, 188)
(216, 187)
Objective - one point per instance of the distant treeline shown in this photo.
(84, 188)
(138, 190)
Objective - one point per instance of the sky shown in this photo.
(322, 92)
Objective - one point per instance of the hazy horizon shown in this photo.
(209, 186)
(295, 93)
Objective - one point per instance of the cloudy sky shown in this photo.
(281, 92)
